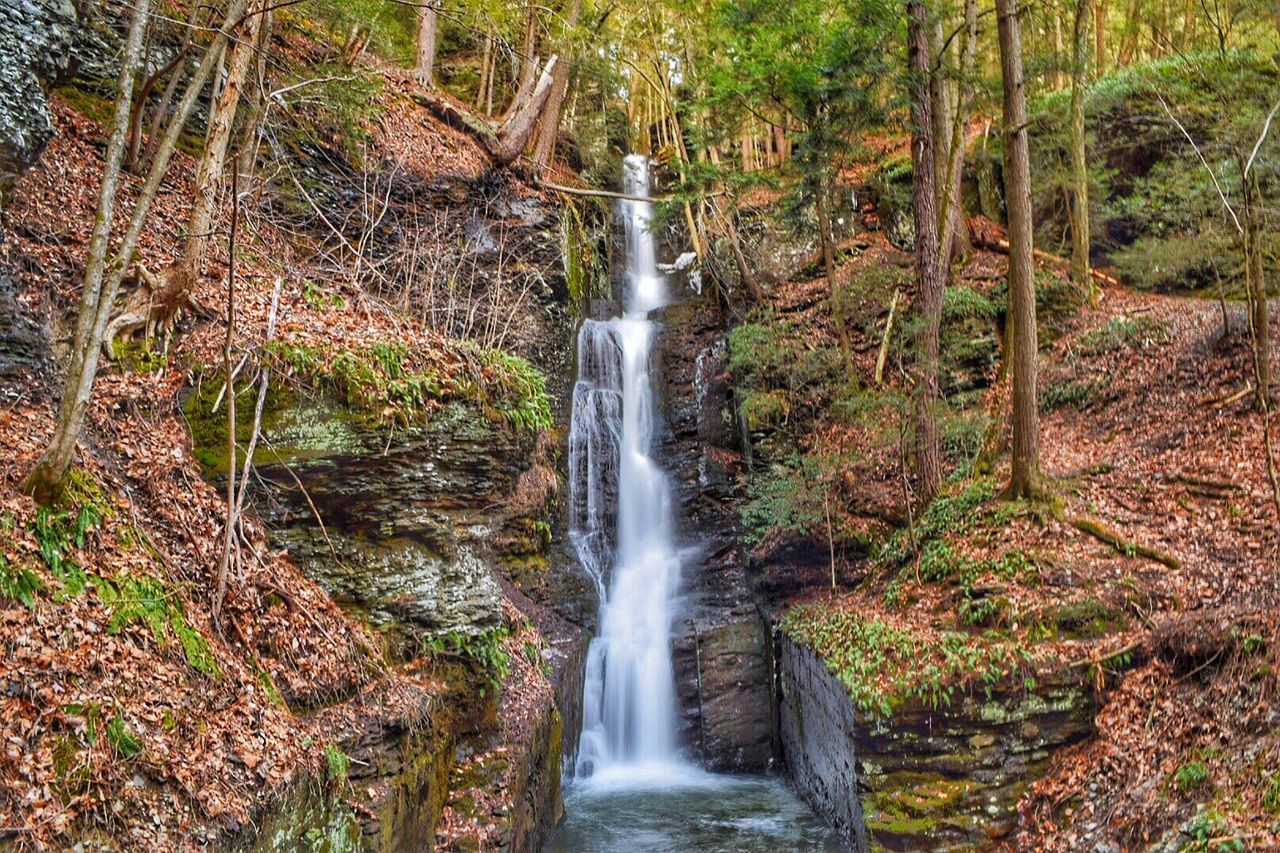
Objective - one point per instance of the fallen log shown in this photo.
(989, 235)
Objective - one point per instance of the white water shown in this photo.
(621, 519)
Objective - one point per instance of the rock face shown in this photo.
(406, 539)
(36, 37)
(721, 648)
(924, 778)
(21, 339)
(817, 731)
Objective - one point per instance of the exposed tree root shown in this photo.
(1106, 535)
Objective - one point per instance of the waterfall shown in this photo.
(621, 517)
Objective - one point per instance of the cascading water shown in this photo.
(631, 791)
(621, 517)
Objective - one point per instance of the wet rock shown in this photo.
(723, 680)
(817, 728)
(21, 339)
(36, 37)
(926, 778)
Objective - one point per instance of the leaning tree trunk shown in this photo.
(424, 68)
(1079, 165)
(929, 269)
(515, 132)
(45, 480)
(102, 280)
(162, 297)
(544, 147)
(1022, 296)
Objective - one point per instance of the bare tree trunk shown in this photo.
(929, 269)
(1079, 163)
(514, 134)
(1100, 37)
(1256, 287)
(948, 158)
(102, 280)
(528, 61)
(1022, 297)
(45, 480)
(544, 147)
(424, 67)
(213, 159)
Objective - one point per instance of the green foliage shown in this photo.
(337, 764)
(1057, 395)
(137, 356)
(56, 534)
(145, 600)
(315, 296)
(1190, 776)
(883, 666)
(786, 497)
(768, 359)
(1139, 333)
(516, 390)
(947, 515)
(18, 583)
(485, 652)
(122, 741)
(1209, 832)
(1271, 797)
(376, 379)
(1154, 208)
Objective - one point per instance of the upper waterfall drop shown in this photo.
(645, 289)
(622, 518)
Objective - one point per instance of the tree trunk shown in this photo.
(544, 147)
(1256, 287)
(424, 67)
(514, 134)
(528, 61)
(213, 159)
(102, 280)
(948, 157)
(929, 270)
(45, 480)
(1022, 296)
(822, 207)
(1079, 164)
(1100, 37)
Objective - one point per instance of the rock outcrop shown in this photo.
(36, 38)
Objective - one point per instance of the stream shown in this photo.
(630, 787)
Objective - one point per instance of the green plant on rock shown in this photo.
(485, 652)
(337, 764)
(1190, 776)
(1134, 332)
(517, 390)
(1271, 796)
(123, 742)
(882, 665)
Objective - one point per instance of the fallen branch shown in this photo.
(1121, 545)
(990, 236)
(884, 343)
(1103, 658)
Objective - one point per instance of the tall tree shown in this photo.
(1022, 296)
(929, 268)
(424, 67)
(544, 146)
(1079, 163)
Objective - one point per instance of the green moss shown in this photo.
(145, 600)
(1139, 333)
(883, 666)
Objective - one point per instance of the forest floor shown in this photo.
(1150, 564)
(128, 712)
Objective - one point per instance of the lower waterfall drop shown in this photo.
(621, 517)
